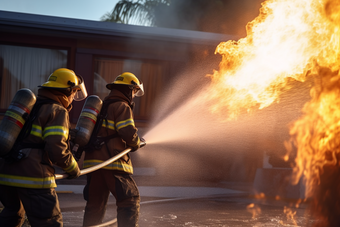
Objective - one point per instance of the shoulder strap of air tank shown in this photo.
(102, 115)
(28, 124)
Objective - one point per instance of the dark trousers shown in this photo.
(97, 190)
(41, 206)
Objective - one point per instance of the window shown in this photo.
(26, 67)
(150, 73)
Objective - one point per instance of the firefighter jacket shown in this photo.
(119, 122)
(50, 128)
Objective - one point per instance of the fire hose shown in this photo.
(96, 167)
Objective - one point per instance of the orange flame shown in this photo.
(254, 209)
(283, 43)
(316, 136)
(290, 214)
(291, 41)
(260, 196)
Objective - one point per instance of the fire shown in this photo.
(290, 215)
(316, 138)
(291, 40)
(254, 209)
(316, 134)
(284, 42)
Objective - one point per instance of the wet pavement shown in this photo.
(218, 211)
(200, 212)
(198, 205)
(191, 204)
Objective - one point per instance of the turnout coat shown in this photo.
(119, 122)
(50, 128)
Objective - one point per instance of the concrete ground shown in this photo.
(189, 204)
(199, 204)
(72, 203)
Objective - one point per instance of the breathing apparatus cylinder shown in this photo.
(87, 121)
(15, 118)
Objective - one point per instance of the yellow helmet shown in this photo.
(65, 78)
(129, 79)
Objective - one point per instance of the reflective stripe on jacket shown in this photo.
(51, 128)
(119, 121)
(27, 182)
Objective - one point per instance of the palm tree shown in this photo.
(141, 12)
(219, 16)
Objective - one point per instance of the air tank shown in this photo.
(87, 119)
(15, 118)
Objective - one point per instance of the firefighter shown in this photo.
(116, 177)
(28, 185)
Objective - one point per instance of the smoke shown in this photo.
(222, 16)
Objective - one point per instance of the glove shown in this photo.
(74, 174)
(133, 149)
(142, 142)
(73, 133)
(140, 145)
